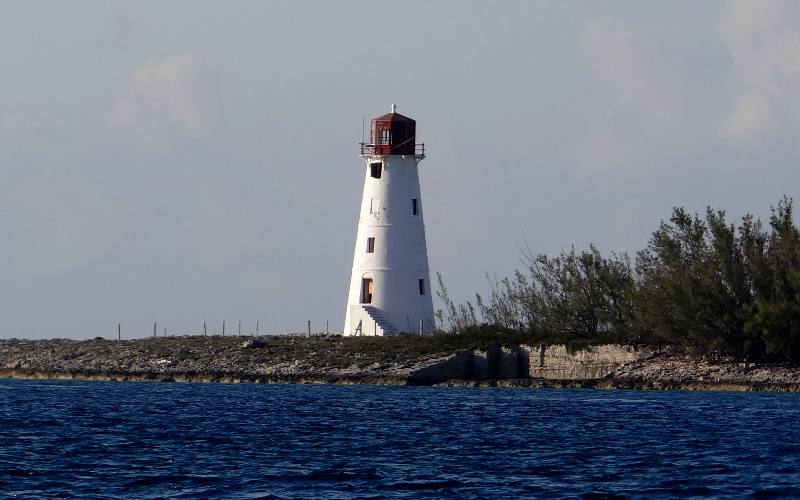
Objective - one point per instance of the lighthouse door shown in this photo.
(366, 290)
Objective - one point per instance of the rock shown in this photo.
(253, 343)
(457, 366)
(556, 362)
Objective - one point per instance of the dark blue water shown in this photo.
(134, 440)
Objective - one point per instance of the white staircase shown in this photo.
(376, 324)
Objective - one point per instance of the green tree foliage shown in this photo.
(774, 316)
(580, 294)
(574, 295)
(692, 283)
(702, 283)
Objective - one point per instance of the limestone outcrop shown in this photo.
(556, 362)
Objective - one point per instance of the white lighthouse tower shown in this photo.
(390, 285)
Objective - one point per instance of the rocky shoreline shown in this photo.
(442, 361)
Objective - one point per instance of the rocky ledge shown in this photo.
(448, 360)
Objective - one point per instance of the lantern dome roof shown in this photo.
(393, 117)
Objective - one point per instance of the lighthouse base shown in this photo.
(367, 320)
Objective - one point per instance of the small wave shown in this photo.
(20, 472)
(602, 495)
(675, 491)
(335, 474)
(777, 493)
(545, 471)
(152, 480)
(607, 478)
(423, 485)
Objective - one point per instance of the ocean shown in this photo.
(175, 440)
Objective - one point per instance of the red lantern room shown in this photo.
(392, 134)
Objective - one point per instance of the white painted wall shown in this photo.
(401, 256)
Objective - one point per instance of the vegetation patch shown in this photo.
(704, 284)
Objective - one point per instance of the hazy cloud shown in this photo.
(751, 115)
(35, 135)
(642, 105)
(764, 46)
(53, 223)
(171, 94)
(121, 34)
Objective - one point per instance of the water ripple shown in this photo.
(123, 440)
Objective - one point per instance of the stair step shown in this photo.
(378, 318)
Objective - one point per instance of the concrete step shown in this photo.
(378, 318)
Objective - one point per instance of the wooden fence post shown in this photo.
(223, 328)
(119, 331)
(205, 330)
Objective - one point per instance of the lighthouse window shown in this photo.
(414, 207)
(421, 286)
(375, 169)
(374, 205)
(370, 245)
(384, 137)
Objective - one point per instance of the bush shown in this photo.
(701, 283)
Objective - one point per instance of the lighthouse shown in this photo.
(390, 283)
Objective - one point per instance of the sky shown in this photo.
(193, 161)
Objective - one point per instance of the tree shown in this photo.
(775, 315)
(581, 295)
(693, 284)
